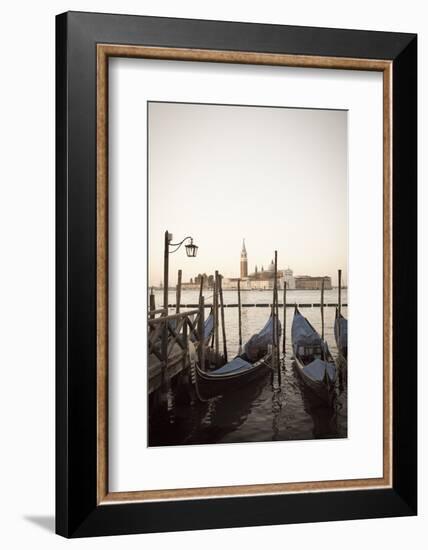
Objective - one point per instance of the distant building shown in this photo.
(260, 279)
(289, 278)
(305, 282)
(244, 261)
(194, 284)
(230, 283)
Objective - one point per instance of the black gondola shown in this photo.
(244, 368)
(314, 362)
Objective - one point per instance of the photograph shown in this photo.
(247, 334)
(212, 272)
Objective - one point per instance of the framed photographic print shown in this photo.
(236, 274)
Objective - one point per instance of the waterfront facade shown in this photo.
(195, 284)
(304, 282)
(260, 278)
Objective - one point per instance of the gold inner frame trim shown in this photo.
(104, 51)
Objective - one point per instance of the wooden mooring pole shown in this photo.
(339, 301)
(201, 289)
(201, 332)
(165, 271)
(276, 319)
(239, 313)
(213, 312)
(284, 303)
(223, 326)
(216, 324)
(322, 309)
(164, 366)
(275, 314)
(178, 293)
(152, 304)
(273, 333)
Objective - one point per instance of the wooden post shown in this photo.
(216, 316)
(165, 272)
(152, 303)
(276, 325)
(213, 312)
(223, 326)
(275, 296)
(185, 345)
(239, 313)
(201, 330)
(322, 309)
(339, 302)
(284, 300)
(164, 366)
(201, 289)
(273, 333)
(164, 373)
(178, 293)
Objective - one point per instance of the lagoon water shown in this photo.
(272, 408)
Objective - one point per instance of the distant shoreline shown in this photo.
(184, 289)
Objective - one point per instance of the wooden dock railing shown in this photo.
(169, 338)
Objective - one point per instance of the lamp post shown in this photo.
(191, 251)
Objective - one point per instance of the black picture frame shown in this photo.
(77, 511)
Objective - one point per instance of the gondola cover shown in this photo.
(302, 333)
(257, 345)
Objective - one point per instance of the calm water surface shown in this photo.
(277, 407)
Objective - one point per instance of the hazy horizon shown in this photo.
(274, 176)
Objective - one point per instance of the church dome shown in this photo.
(271, 266)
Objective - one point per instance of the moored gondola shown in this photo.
(214, 375)
(314, 362)
(244, 368)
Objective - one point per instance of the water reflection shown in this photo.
(205, 422)
(277, 407)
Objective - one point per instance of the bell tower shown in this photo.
(244, 261)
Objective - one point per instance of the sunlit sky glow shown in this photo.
(276, 176)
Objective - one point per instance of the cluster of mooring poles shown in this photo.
(171, 337)
(218, 318)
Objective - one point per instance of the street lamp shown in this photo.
(191, 251)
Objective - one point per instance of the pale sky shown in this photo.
(276, 176)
